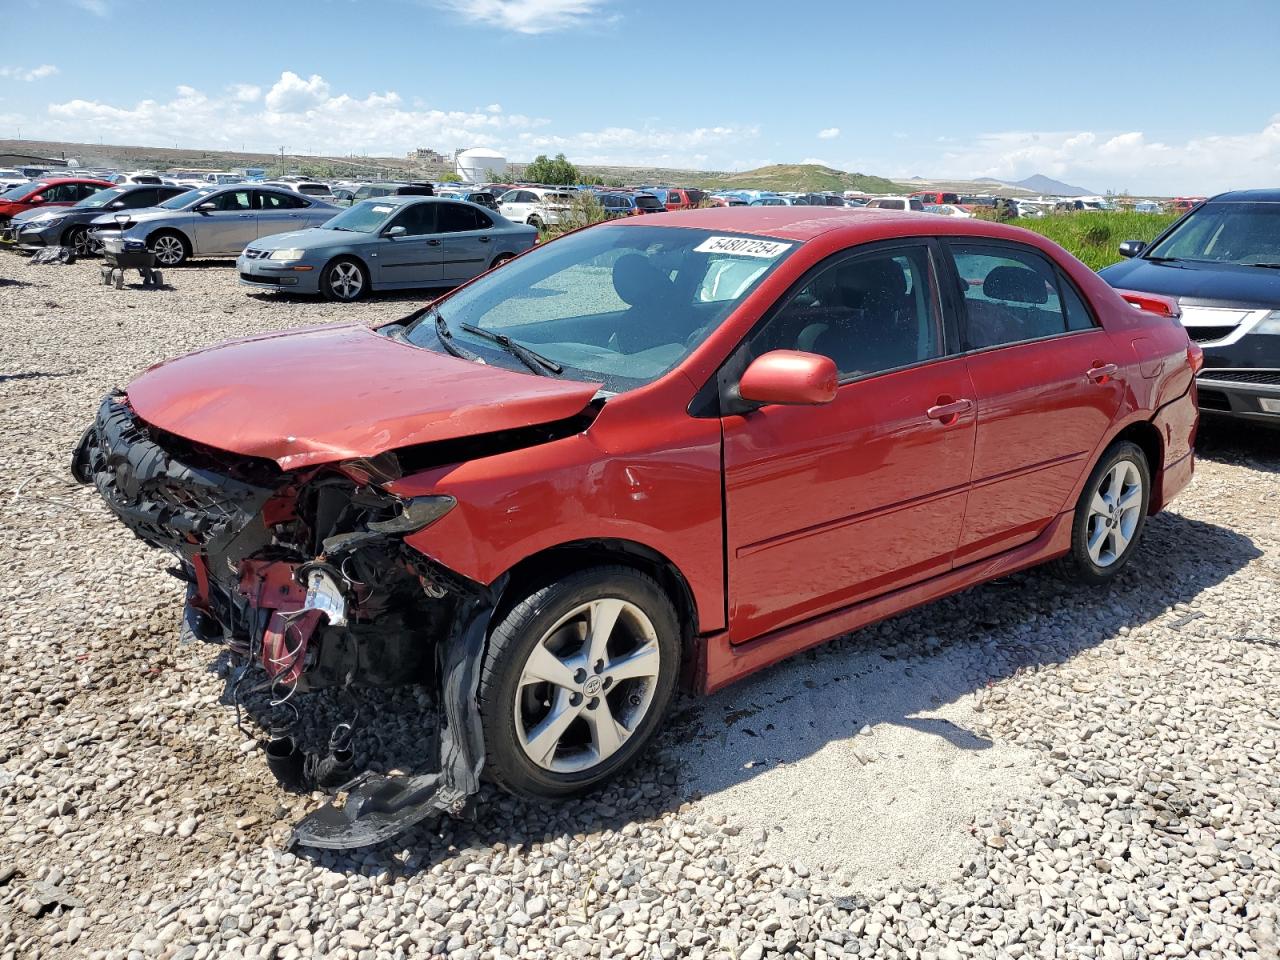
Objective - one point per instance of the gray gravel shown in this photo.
(1044, 771)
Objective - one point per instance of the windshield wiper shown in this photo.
(1162, 259)
(543, 366)
(1270, 266)
(445, 336)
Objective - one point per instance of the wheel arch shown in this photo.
(565, 558)
(178, 231)
(350, 255)
(1144, 434)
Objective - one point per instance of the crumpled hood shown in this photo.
(332, 393)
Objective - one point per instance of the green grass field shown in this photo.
(1094, 237)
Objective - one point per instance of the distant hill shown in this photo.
(1039, 183)
(801, 177)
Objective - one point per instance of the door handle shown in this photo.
(949, 412)
(433, 243)
(484, 239)
(1101, 372)
(246, 216)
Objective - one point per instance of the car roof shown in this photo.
(54, 181)
(1248, 196)
(807, 223)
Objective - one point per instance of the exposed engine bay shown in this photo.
(304, 576)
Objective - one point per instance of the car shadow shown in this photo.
(418, 297)
(995, 630)
(1239, 443)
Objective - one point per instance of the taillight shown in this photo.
(1152, 303)
(1195, 357)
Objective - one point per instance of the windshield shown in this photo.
(367, 216)
(100, 199)
(617, 305)
(18, 193)
(1229, 232)
(184, 199)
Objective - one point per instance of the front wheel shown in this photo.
(577, 679)
(170, 248)
(344, 280)
(1109, 516)
(77, 240)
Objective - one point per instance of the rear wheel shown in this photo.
(577, 678)
(536, 223)
(1110, 515)
(170, 248)
(499, 260)
(345, 280)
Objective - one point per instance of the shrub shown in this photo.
(556, 172)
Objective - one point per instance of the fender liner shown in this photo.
(379, 807)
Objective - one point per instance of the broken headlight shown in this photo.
(415, 514)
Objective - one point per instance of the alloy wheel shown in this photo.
(587, 685)
(80, 243)
(169, 251)
(347, 280)
(1114, 511)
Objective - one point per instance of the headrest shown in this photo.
(1015, 284)
(638, 281)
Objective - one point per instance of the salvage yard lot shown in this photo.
(1024, 769)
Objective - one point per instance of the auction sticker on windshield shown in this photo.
(743, 247)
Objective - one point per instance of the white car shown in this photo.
(537, 206)
(894, 203)
(947, 210)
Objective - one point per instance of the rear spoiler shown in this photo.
(1161, 306)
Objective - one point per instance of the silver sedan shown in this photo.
(390, 243)
(215, 221)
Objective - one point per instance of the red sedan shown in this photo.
(654, 451)
(49, 192)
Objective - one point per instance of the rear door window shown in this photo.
(457, 217)
(1011, 295)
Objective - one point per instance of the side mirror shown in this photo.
(117, 205)
(206, 207)
(35, 199)
(790, 377)
(396, 232)
(1131, 248)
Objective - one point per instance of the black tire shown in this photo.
(335, 281)
(511, 642)
(1079, 564)
(500, 259)
(536, 223)
(77, 240)
(168, 252)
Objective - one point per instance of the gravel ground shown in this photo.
(1022, 770)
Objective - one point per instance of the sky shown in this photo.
(1168, 98)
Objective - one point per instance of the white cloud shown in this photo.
(245, 92)
(1101, 160)
(28, 75)
(99, 8)
(303, 114)
(830, 133)
(292, 94)
(527, 16)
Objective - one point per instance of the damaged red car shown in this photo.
(643, 455)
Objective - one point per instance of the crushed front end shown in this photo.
(305, 577)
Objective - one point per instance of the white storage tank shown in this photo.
(474, 166)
